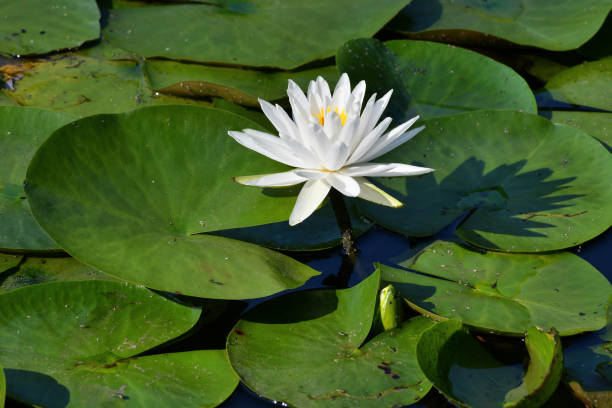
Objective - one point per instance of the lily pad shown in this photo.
(83, 85)
(240, 86)
(596, 124)
(267, 35)
(431, 79)
(471, 377)
(2, 387)
(22, 131)
(587, 84)
(545, 24)
(526, 184)
(255, 115)
(9, 261)
(277, 348)
(38, 270)
(41, 26)
(504, 293)
(586, 356)
(138, 205)
(73, 344)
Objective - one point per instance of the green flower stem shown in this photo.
(348, 241)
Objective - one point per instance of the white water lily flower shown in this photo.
(331, 142)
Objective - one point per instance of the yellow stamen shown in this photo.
(321, 115)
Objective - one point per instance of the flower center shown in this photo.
(321, 115)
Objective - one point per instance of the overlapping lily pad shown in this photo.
(541, 23)
(306, 349)
(596, 124)
(41, 26)
(504, 293)
(38, 270)
(9, 261)
(431, 79)
(22, 131)
(526, 184)
(83, 85)
(587, 84)
(471, 377)
(236, 85)
(134, 195)
(73, 344)
(261, 34)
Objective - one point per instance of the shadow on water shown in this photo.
(428, 12)
(47, 392)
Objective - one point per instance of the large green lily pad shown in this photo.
(469, 376)
(546, 24)
(22, 131)
(587, 84)
(262, 33)
(307, 350)
(236, 85)
(74, 344)
(504, 293)
(587, 357)
(41, 26)
(38, 270)
(431, 79)
(526, 184)
(596, 124)
(84, 85)
(134, 194)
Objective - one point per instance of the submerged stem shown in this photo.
(348, 241)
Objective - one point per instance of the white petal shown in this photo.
(344, 184)
(372, 193)
(287, 178)
(288, 123)
(319, 143)
(284, 129)
(366, 143)
(356, 99)
(276, 150)
(384, 170)
(297, 99)
(311, 174)
(336, 156)
(333, 125)
(348, 134)
(377, 111)
(341, 93)
(385, 146)
(365, 115)
(312, 194)
(323, 91)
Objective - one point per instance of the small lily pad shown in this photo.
(277, 348)
(541, 23)
(431, 79)
(41, 26)
(526, 185)
(22, 131)
(471, 377)
(587, 84)
(138, 205)
(240, 86)
(504, 293)
(39, 270)
(268, 35)
(74, 344)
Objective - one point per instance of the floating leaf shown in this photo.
(527, 185)
(74, 344)
(22, 131)
(471, 377)
(38, 270)
(137, 205)
(236, 85)
(2, 387)
(41, 26)
(504, 293)
(596, 124)
(83, 85)
(268, 35)
(587, 84)
(431, 79)
(277, 348)
(8, 261)
(586, 355)
(541, 23)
